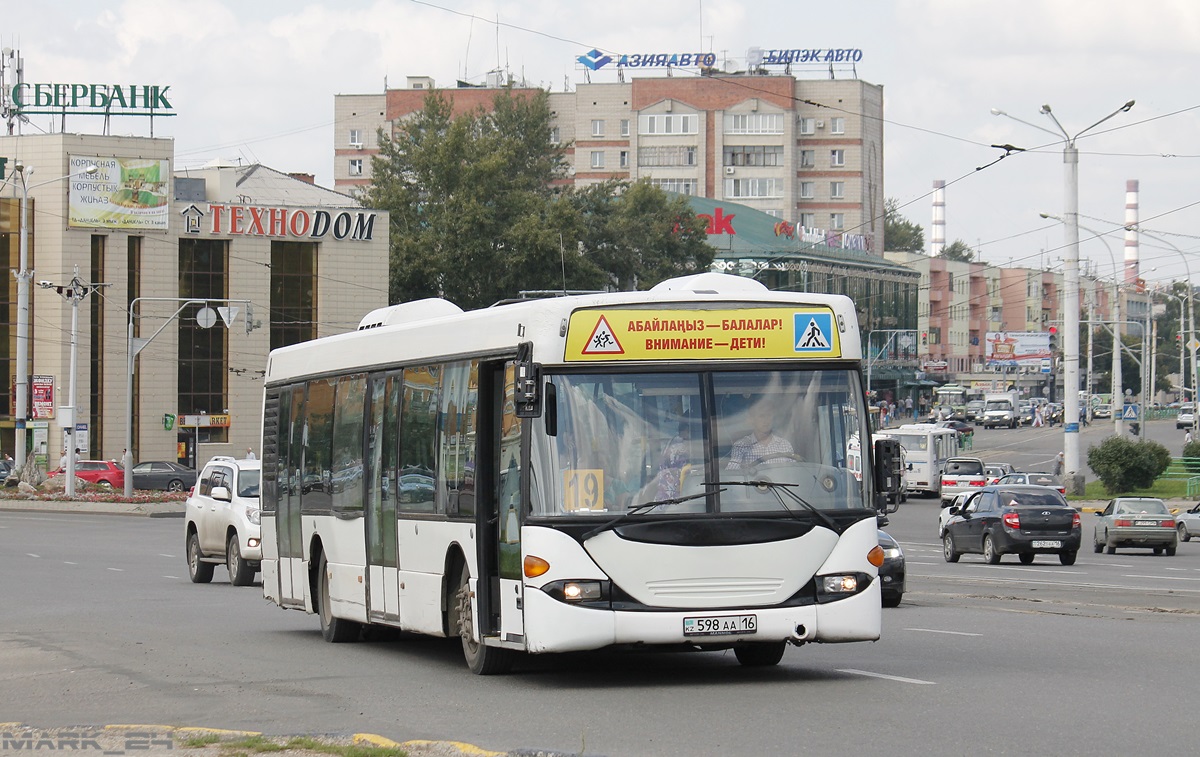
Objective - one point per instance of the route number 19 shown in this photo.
(583, 489)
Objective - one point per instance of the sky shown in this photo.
(254, 81)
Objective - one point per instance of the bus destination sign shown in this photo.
(747, 334)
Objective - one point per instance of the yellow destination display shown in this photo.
(745, 334)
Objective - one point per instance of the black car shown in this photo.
(891, 573)
(1017, 519)
(163, 475)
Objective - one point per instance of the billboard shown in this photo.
(1012, 348)
(125, 193)
(42, 406)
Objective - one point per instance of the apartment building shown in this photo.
(806, 151)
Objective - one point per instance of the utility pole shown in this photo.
(73, 292)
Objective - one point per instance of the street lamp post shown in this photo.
(1115, 374)
(137, 344)
(1070, 284)
(24, 276)
(1191, 311)
(72, 293)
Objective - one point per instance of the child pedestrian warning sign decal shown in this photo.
(603, 341)
(744, 334)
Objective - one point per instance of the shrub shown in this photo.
(1123, 465)
(1192, 450)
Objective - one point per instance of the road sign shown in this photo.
(1130, 413)
(1194, 345)
(1045, 365)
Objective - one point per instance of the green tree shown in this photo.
(476, 215)
(639, 235)
(899, 233)
(957, 250)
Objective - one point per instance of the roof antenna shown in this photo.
(562, 256)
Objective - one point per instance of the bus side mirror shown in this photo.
(887, 475)
(527, 393)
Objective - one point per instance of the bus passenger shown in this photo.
(675, 456)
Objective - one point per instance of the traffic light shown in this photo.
(1179, 338)
(1053, 339)
(924, 338)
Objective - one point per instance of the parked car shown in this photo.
(1035, 478)
(962, 474)
(221, 521)
(1186, 417)
(104, 473)
(163, 475)
(891, 573)
(1018, 519)
(1187, 523)
(1136, 522)
(995, 471)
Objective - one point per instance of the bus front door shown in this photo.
(293, 577)
(500, 520)
(383, 490)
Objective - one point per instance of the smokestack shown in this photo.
(937, 231)
(1131, 236)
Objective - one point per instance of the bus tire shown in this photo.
(240, 574)
(481, 659)
(760, 654)
(335, 630)
(199, 571)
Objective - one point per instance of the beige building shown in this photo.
(176, 257)
(758, 140)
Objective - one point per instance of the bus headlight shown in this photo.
(577, 591)
(839, 584)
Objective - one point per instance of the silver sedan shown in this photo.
(1187, 523)
(1136, 522)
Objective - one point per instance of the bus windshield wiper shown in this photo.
(779, 489)
(642, 508)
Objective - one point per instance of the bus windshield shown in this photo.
(627, 439)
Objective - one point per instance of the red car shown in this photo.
(102, 472)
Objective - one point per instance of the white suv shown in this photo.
(221, 521)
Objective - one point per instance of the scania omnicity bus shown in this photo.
(658, 469)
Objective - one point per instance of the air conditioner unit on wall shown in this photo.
(820, 124)
(356, 145)
(730, 171)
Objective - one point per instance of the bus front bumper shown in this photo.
(554, 626)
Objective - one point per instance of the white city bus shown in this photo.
(671, 471)
(927, 447)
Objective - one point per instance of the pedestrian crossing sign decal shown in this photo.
(1130, 413)
(813, 332)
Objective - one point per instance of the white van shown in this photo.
(927, 448)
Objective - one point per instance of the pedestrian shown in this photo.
(908, 407)
(62, 461)
(1058, 463)
(250, 454)
(1187, 438)
(126, 460)
(1037, 417)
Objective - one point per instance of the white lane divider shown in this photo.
(116, 570)
(1167, 578)
(68, 562)
(938, 630)
(30, 554)
(900, 679)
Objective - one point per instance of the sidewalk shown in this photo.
(144, 509)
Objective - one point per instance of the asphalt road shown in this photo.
(100, 625)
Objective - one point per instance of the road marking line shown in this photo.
(118, 570)
(869, 674)
(935, 630)
(30, 554)
(1185, 570)
(68, 562)
(172, 577)
(1167, 578)
(160, 554)
(1058, 584)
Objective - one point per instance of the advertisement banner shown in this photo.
(1012, 348)
(42, 406)
(125, 193)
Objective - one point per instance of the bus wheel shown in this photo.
(335, 630)
(481, 659)
(760, 654)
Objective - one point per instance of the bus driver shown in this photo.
(761, 444)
